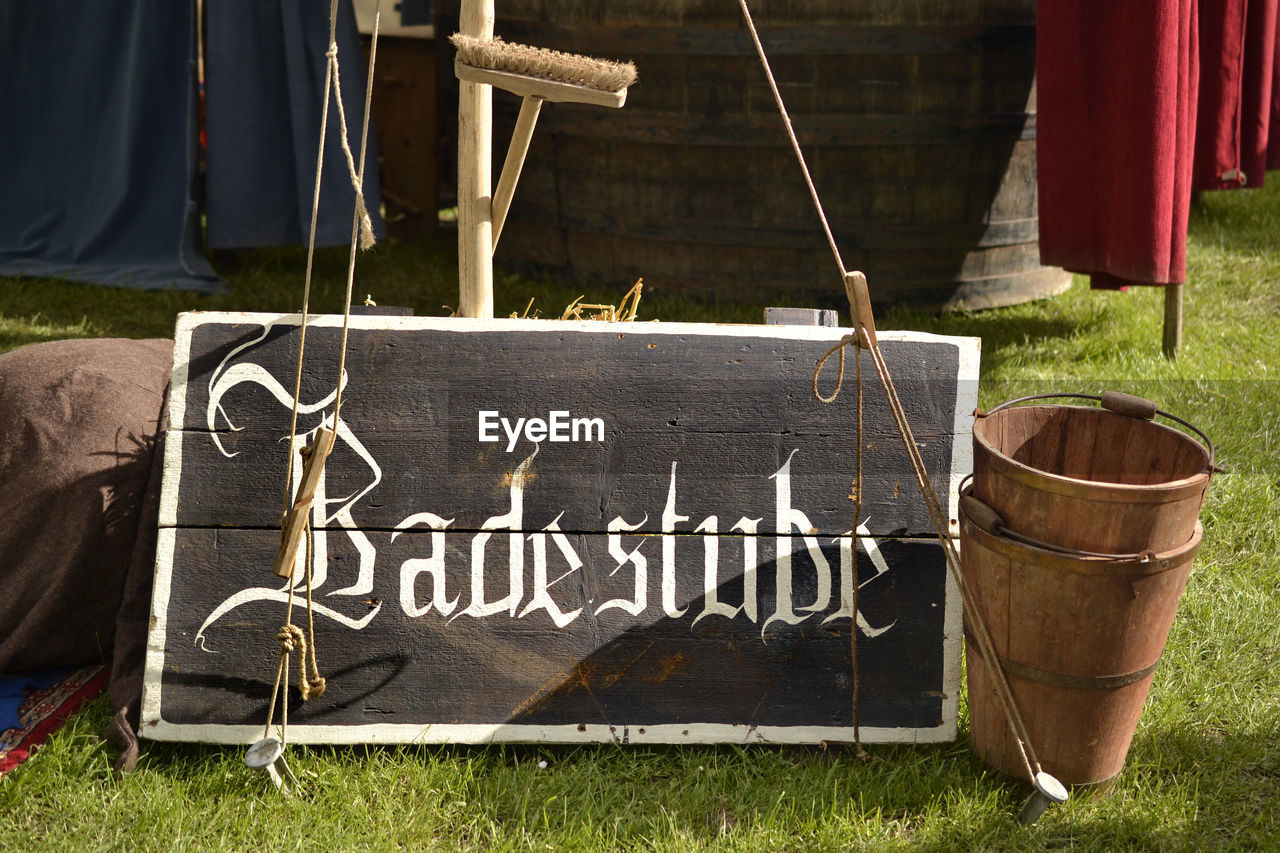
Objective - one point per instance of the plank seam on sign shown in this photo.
(172, 534)
(339, 527)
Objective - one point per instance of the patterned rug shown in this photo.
(32, 707)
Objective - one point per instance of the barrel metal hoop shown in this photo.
(1062, 679)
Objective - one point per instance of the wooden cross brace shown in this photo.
(313, 458)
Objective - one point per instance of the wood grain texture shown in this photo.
(475, 181)
(919, 123)
(603, 667)
(685, 577)
(525, 86)
(408, 127)
(728, 417)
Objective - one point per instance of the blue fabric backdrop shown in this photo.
(98, 143)
(98, 136)
(264, 91)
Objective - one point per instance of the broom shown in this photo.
(536, 75)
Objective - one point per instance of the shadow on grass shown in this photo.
(1005, 333)
(1238, 220)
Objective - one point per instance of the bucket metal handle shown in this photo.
(989, 520)
(1122, 404)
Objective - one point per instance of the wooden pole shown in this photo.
(475, 195)
(1172, 319)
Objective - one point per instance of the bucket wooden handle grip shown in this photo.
(982, 515)
(1129, 404)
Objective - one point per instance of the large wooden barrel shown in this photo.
(918, 122)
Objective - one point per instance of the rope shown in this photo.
(290, 636)
(939, 520)
(357, 176)
(360, 219)
(282, 676)
(862, 338)
(985, 644)
(837, 347)
(791, 134)
(306, 287)
(857, 514)
(313, 685)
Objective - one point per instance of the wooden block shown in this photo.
(681, 573)
(801, 317)
(295, 525)
(313, 459)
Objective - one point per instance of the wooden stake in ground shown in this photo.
(475, 156)
(1172, 318)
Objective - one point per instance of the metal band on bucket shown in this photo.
(1062, 679)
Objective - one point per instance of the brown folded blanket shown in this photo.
(81, 422)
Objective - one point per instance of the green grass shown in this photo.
(1204, 768)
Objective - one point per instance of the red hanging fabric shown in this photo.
(1237, 67)
(1115, 137)
(1273, 141)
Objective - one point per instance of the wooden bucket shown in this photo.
(1108, 481)
(1079, 639)
(919, 125)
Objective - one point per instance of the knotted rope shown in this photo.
(292, 639)
(290, 636)
(357, 175)
(938, 517)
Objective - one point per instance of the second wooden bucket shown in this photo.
(1108, 481)
(1078, 638)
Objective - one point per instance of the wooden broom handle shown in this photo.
(511, 167)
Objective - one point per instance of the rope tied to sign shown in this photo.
(311, 685)
(864, 338)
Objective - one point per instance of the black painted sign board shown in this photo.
(557, 531)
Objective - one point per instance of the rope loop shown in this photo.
(847, 340)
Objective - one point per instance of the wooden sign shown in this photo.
(553, 531)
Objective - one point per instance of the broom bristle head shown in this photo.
(498, 55)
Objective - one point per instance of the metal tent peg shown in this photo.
(268, 754)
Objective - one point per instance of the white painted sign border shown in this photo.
(154, 727)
